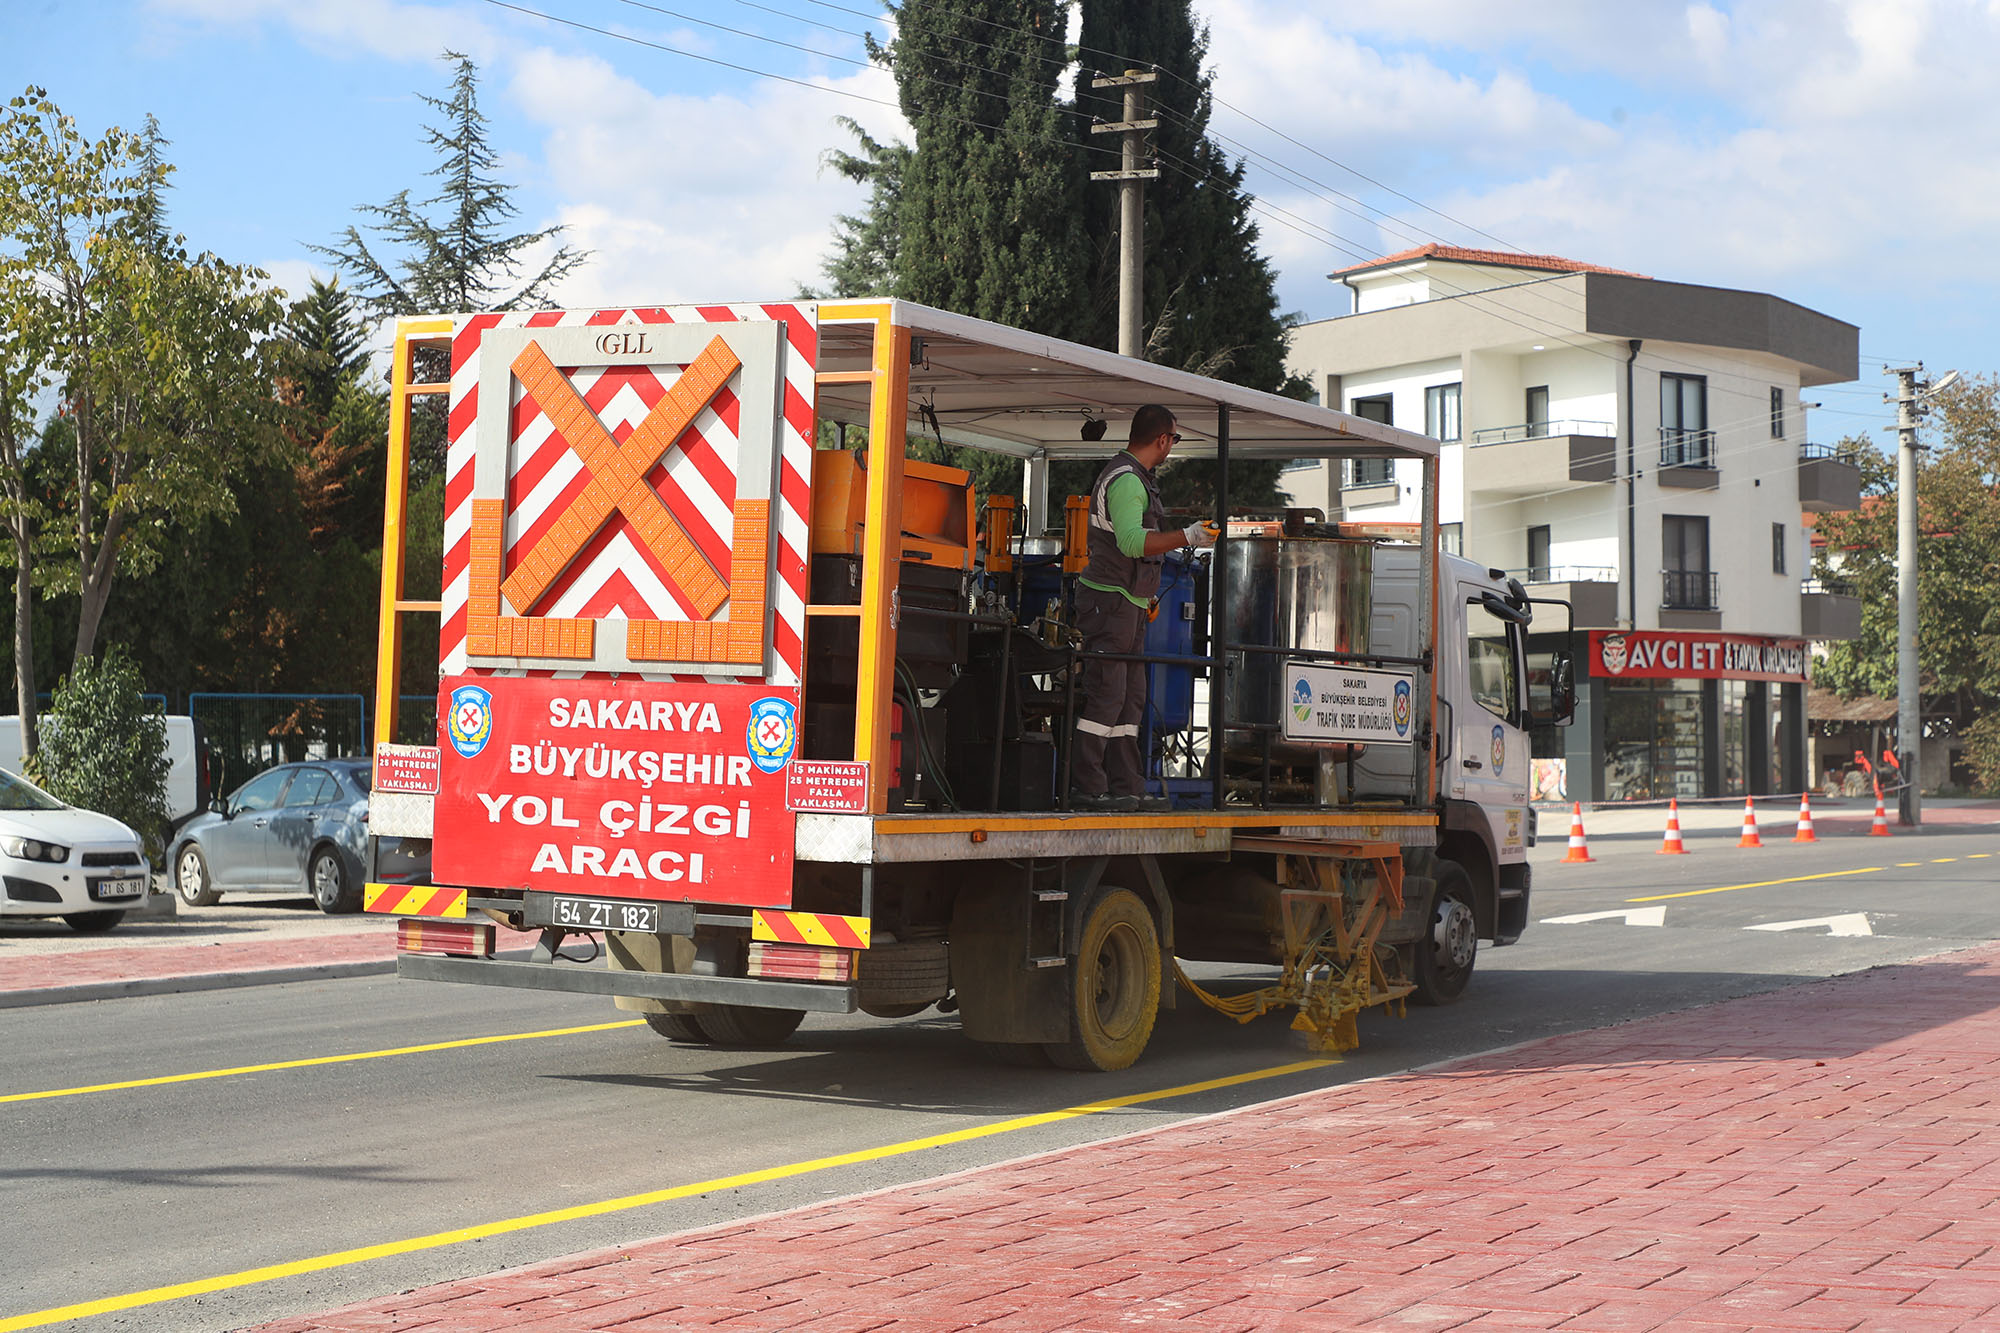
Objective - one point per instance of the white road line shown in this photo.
(1631, 916)
(1848, 923)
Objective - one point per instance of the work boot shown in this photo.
(1097, 802)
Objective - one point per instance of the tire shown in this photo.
(93, 923)
(326, 876)
(1447, 950)
(900, 978)
(741, 1025)
(191, 879)
(1114, 985)
(678, 1027)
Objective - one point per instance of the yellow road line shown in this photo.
(1909, 865)
(436, 1240)
(1977, 856)
(233, 1071)
(1760, 884)
(1942, 860)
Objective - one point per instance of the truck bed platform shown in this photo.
(907, 838)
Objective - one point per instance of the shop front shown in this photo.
(1664, 713)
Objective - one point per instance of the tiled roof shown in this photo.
(1459, 255)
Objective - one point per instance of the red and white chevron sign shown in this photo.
(627, 491)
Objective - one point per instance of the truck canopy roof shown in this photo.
(1001, 389)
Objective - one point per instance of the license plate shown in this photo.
(129, 886)
(598, 914)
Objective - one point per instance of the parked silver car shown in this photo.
(296, 828)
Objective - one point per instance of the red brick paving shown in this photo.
(83, 966)
(1825, 1157)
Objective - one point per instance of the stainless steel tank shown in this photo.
(1289, 592)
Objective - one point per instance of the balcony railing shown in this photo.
(1829, 587)
(1809, 451)
(1686, 448)
(1540, 430)
(1688, 589)
(1565, 574)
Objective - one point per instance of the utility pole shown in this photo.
(1909, 702)
(1131, 178)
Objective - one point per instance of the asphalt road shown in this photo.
(124, 1190)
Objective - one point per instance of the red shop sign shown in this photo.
(1666, 655)
(616, 788)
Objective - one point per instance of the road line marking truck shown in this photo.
(734, 683)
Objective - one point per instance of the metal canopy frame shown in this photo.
(1000, 389)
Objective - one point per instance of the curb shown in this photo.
(196, 981)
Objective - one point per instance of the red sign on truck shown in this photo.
(663, 790)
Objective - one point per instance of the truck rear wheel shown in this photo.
(1446, 951)
(1114, 985)
(741, 1025)
(677, 1027)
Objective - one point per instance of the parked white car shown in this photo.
(57, 860)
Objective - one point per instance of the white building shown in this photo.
(1637, 447)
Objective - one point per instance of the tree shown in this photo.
(161, 358)
(866, 245)
(1958, 556)
(106, 749)
(460, 262)
(26, 327)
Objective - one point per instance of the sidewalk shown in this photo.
(1824, 1157)
(1832, 817)
(99, 972)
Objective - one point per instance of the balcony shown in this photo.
(1590, 590)
(1687, 459)
(1828, 483)
(1829, 609)
(1689, 599)
(1540, 456)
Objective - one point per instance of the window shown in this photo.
(1777, 548)
(1538, 554)
(311, 786)
(1441, 411)
(260, 792)
(1684, 436)
(1371, 471)
(1687, 584)
(1777, 413)
(1538, 411)
(1451, 538)
(1490, 662)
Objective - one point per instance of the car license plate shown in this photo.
(125, 886)
(598, 914)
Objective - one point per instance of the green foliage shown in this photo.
(866, 245)
(162, 358)
(106, 750)
(447, 254)
(1958, 559)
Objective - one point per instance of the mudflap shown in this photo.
(1010, 947)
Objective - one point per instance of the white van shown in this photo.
(188, 783)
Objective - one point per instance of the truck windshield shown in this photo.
(20, 794)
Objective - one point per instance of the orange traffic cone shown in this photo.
(1672, 845)
(1880, 828)
(1579, 848)
(1805, 833)
(1749, 838)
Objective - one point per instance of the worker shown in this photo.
(1130, 536)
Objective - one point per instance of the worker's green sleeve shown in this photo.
(1126, 501)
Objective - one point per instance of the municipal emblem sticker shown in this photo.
(1302, 699)
(471, 720)
(1499, 748)
(1401, 708)
(774, 733)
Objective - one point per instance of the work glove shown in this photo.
(1199, 534)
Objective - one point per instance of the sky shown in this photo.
(1841, 154)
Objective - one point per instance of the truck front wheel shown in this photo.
(677, 1027)
(1114, 985)
(1445, 952)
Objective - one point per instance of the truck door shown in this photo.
(1490, 761)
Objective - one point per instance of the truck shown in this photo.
(751, 706)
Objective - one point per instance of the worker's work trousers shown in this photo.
(1104, 754)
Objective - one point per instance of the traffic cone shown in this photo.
(1749, 838)
(1672, 844)
(1881, 825)
(1805, 833)
(1579, 849)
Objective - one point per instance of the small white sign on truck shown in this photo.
(1342, 703)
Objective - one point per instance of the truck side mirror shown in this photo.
(1562, 690)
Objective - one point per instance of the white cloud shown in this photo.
(694, 197)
